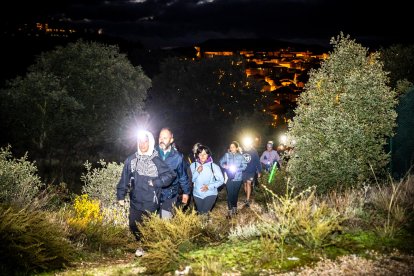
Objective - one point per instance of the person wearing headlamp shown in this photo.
(144, 175)
(269, 157)
(233, 164)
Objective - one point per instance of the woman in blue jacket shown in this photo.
(234, 164)
(207, 177)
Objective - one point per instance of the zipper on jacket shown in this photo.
(155, 199)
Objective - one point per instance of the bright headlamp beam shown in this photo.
(283, 139)
(247, 141)
(141, 135)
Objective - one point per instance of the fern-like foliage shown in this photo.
(30, 242)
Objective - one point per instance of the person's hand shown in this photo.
(121, 202)
(184, 199)
(200, 169)
(204, 188)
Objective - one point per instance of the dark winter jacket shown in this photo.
(253, 161)
(144, 175)
(178, 164)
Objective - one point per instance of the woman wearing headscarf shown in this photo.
(144, 173)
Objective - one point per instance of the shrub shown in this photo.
(337, 140)
(244, 232)
(30, 242)
(19, 183)
(85, 211)
(302, 217)
(165, 240)
(90, 231)
(393, 202)
(350, 203)
(100, 183)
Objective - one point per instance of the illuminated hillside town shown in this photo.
(281, 71)
(281, 68)
(39, 30)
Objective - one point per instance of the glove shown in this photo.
(121, 202)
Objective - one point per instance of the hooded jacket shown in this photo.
(176, 162)
(143, 175)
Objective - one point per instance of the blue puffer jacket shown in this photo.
(176, 162)
(236, 161)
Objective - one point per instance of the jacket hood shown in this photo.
(151, 142)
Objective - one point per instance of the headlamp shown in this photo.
(283, 139)
(248, 141)
(141, 135)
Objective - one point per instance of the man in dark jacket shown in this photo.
(253, 168)
(144, 173)
(176, 162)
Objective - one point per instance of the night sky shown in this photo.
(173, 23)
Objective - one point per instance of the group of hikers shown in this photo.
(157, 177)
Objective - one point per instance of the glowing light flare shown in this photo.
(248, 141)
(141, 135)
(283, 139)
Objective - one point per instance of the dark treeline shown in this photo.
(209, 101)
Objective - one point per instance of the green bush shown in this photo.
(100, 183)
(30, 242)
(343, 120)
(90, 231)
(19, 184)
(166, 240)
(302, 217)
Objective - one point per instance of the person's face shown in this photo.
(203, 156)
(165, 139)
(269, 147)
(143, 144)
(233, 148)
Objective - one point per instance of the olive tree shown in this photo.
(343, 120)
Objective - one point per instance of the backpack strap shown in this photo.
(211, 164)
